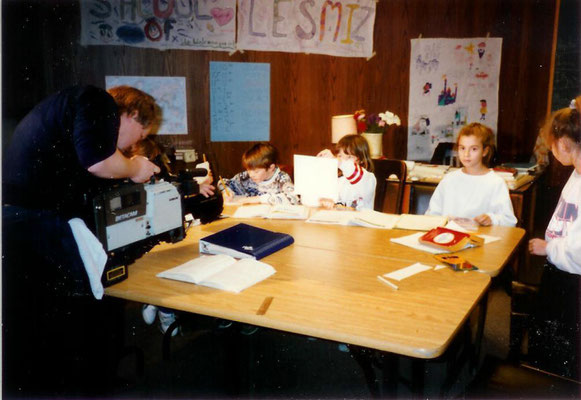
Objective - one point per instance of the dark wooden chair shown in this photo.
(443, 154)
(383, 170)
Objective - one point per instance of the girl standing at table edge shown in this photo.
(554, 339)
(474, 191)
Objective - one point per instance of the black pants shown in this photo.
(554, 337)
(56, 336)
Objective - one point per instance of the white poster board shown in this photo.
(453, 82)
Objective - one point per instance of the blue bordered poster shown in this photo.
(239, 102)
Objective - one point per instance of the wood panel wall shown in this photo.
(41, 54)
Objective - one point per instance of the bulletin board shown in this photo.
(239, 102)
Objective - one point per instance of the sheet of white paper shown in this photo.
(489, 239)
(407, 271)
(412, 241)
(316, 178)
(455, 227)
(438, 267)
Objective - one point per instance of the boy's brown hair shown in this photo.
(130, 99)
(482, 132)
(261, 155)
(356, 145)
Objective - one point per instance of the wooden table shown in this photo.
(326, 286)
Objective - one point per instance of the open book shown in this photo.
(375, 219)
(286, 211)
(367, 218)
(220, 272)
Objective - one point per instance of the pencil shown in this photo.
(388, 283)
(224, 186)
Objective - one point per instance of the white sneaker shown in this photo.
(165, 320)
(149, 312)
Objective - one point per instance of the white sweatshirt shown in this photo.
(564, 231)
(356, 186)
(462, 195)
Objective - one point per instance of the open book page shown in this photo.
(332, 217)
(260, 210)
(288, 211)
(239, 276)
(375, 219)
(420, 222)
(280, 211)
(198, 269)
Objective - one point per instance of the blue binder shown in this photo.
(245, 241)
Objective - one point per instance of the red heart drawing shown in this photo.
(222, 15)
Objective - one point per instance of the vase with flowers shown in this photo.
(373, 126)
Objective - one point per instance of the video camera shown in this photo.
(130, 219)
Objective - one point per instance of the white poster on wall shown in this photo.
(160, 24)
(339, 28)
(453, 82)
(168, 92)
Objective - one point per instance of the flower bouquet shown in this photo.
(375, 123)
(373, 126)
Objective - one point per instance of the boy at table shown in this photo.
(262, 181)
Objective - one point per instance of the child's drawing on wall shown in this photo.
(481, 49)
(421, 127)
(446, 96)
(483, 110)
(460, 116)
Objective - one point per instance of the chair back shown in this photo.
(383, 170)
(443, 154)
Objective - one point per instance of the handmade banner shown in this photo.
(160, 24)
(169, 93)
(453, 82)
(339, 28)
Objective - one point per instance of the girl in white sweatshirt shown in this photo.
(554, 342)
(474, 191)
(357, 183)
